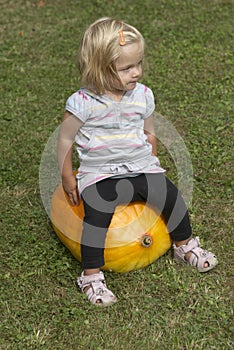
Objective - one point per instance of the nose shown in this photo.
(136, 72)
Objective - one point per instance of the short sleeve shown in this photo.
(150, 104)
(76, 104)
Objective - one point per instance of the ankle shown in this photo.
(180, 243)
(88, 272)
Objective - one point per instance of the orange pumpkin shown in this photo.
(137, 236)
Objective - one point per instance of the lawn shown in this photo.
(164, 306)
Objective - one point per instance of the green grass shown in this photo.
(190, 69)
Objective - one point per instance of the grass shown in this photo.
(190, 69)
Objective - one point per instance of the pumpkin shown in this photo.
(137, 235)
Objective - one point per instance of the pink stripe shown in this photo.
(133, 145)
(99, 147)
(102, 117)
(83, 95)
(129, 114)
(95, 180)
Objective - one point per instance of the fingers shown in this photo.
(74, 197)
(70, 188)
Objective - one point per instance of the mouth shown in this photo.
(132, 83)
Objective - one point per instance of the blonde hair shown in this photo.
(99, 50)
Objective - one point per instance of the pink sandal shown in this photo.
(198, 256)
(97, 293)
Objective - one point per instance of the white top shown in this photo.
(111, 141)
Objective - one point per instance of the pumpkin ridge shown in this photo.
(123, 247)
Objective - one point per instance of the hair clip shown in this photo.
(122, 40)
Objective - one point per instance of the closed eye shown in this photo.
(131, 66)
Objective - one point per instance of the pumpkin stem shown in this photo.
(146, 241)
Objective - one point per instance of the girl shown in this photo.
(111, 121)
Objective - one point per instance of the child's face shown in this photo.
(129, 65)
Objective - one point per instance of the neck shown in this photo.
(115, 95)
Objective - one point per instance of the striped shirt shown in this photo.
(111, 141)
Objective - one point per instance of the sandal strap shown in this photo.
(192, 244)
(84, 281)
(198, 256)
(97, 290)
(201, 256)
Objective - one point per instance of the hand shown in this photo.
(70, 188)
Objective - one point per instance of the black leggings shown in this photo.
(101, 199)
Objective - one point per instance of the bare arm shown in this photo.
(150, 133)
(68, 129)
